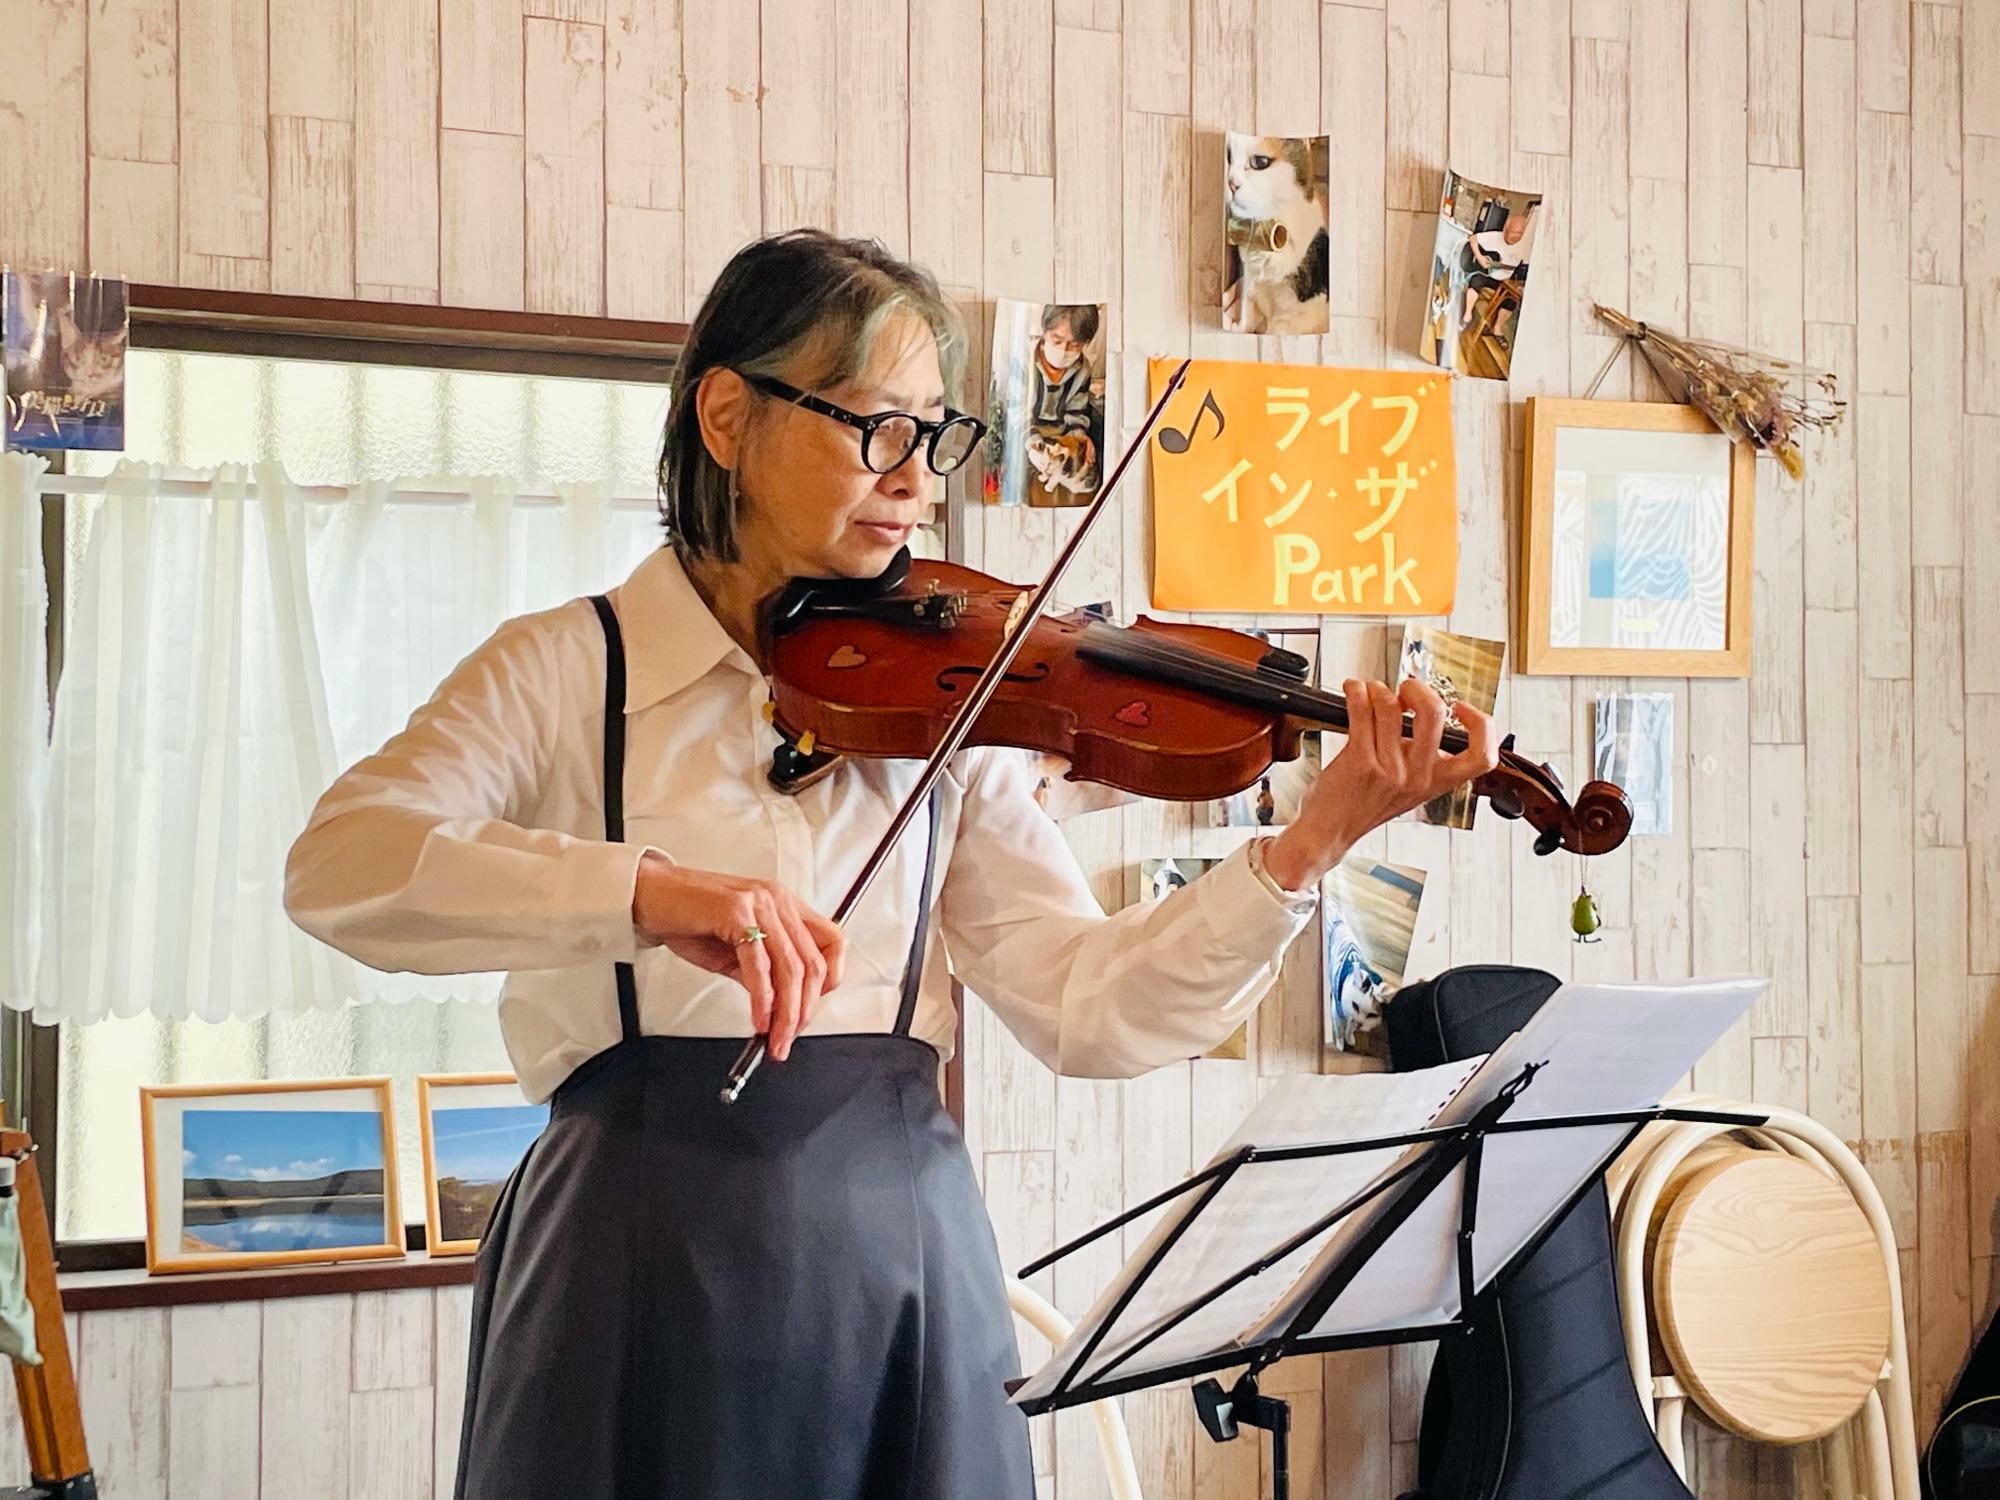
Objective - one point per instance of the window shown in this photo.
(348, 425)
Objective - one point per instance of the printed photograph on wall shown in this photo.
(475, 1129)
(1273, 800)
(1479, 277)
(1275, 232)
(1634, 747)
(268, 1174)
(65, 342)
(1460, 669)
(1160, 878)
(1045, 438)
(1368, 920)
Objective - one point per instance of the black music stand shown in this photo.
(1398, 1192)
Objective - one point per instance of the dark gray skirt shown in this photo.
(797, 1295)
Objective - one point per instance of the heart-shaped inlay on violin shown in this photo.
(1135, 713)
(846, 656)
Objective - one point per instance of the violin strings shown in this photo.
(1121, 643)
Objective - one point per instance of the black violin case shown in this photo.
(1535, 1401)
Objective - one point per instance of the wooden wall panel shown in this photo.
(224, 137)
(564, 145)
(1718, 124)
(872, 127)
(133, 74)
(312, 206)
(719, 49)
(1814, 178)
(396, 155)
(483, 214)
(642, 104)
(480, 66)
(1418, 103)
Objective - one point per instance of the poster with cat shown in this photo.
(1479, 277)
(65, 341)
(1045, 416)
(1274, 221)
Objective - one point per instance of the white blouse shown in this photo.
(474, 841)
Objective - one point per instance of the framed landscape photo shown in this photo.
(475, 1129)
(263, 1174)
(1636, 530)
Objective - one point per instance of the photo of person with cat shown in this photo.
(1045, 440)
(1479, 277)
(1274, 227)
(65, 360)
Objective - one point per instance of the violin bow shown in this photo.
(755, 1050)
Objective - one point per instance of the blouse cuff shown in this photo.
(1250, 913)
(607, 882)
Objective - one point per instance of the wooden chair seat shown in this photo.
(1770, 1296)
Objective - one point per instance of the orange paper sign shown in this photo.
(1305, 490)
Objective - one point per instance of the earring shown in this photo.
(735, 491)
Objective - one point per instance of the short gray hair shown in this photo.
(802, 295)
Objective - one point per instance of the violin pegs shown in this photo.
(1507, 745)
(1548, 841)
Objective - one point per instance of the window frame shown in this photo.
(207, 321)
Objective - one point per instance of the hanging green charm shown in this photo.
(1583, 917)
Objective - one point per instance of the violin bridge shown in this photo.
(1014, 613)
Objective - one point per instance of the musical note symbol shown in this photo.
(1175, 441)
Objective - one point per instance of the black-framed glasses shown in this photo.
(888, 438)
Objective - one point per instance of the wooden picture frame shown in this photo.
(445, 1221)
(241, 1200)
(1556, 616)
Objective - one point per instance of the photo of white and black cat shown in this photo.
(1275, 223)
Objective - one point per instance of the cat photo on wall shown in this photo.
(1045, 406)
(1274, 213)
(65, 341)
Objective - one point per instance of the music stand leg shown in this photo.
(1222, 1411)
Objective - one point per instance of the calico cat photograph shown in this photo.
(65, 360)
(1275, 229)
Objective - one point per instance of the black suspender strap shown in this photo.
(614, 785)
(913, 966)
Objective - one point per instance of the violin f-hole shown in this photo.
(948, 678)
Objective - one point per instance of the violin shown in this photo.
(930, 658)
(1158, 709)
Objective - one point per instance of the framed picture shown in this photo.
(475, 1128)
(264, 1174)
(1635, 542)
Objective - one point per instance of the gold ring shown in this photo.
(751, 934)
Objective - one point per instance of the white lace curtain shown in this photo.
(232, 644)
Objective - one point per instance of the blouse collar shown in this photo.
(671, 637)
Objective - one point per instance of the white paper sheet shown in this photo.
(1261, 1207)
(1606, 1048)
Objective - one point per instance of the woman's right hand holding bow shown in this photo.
(707, 918)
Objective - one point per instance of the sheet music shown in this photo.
(1258, 1209)
(1607, 1048)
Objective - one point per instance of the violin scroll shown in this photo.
(1595, 823)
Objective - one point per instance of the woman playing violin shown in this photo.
(797, 1294)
